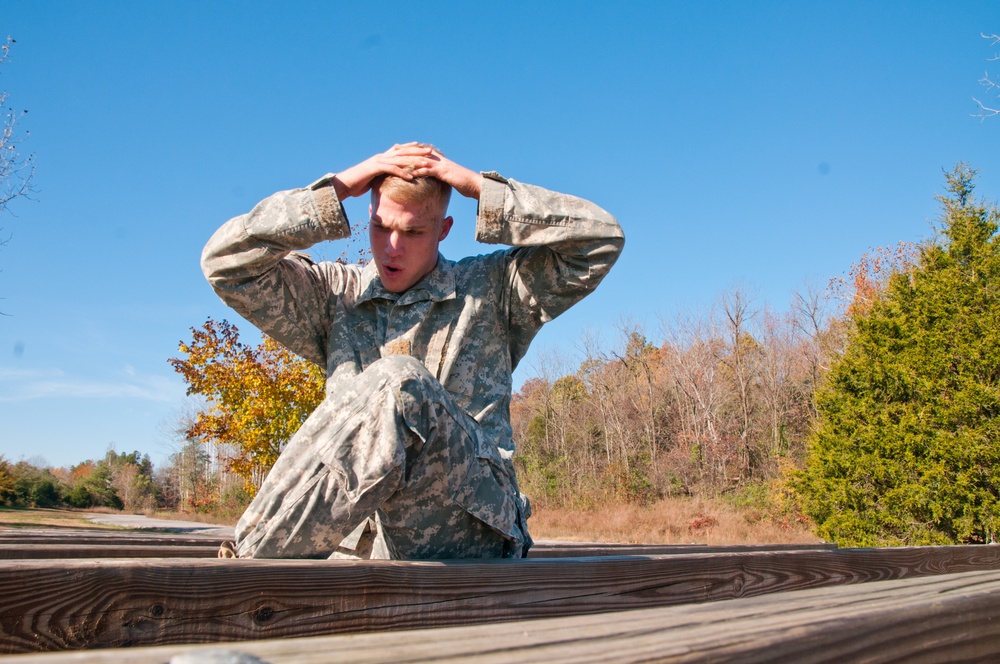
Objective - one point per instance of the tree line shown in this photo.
(722, 401)
(191, 481)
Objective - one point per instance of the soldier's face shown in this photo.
(404, 240)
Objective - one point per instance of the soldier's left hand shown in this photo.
(466, 182)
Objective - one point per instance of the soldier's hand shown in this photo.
(399, 160)
(466, 182)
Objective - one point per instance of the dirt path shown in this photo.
(145, 522)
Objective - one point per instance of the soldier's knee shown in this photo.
(409, 382)
(400, 364)
(399, 369)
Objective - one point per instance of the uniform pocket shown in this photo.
(481, 486)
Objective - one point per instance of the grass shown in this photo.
(711, 521)
(40, 517)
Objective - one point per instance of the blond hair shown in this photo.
(417, 190)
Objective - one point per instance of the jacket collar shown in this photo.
(437, 286)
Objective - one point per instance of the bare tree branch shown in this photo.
(988, 109)
(16, 170)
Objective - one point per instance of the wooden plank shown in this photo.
(62, 539)
(124, 550)
(56, 605)
(933, 619)
(578, 550)
(95, 536)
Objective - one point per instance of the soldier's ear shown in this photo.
(445, 228)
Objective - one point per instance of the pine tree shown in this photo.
(907, 448)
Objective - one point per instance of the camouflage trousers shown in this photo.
(390, 467)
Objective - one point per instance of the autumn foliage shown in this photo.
(720, 404)
(255, 397)
(869, 277)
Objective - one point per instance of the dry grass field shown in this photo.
(674, 521)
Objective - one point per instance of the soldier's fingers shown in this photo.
(411, 151)
(408, 162)
(403, 168)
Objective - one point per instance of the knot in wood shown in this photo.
(156, 610)
(263, 614)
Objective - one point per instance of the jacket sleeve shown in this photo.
(564, 247)
(250, 264)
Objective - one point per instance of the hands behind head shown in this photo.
(408, 161)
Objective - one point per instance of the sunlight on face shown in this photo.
(404, 240)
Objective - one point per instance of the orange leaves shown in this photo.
(870, 275)
(256, 397)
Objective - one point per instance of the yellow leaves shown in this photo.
(256, 397)
(6, 479)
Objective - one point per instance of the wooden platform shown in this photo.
(40, 543)
(942, 618)
(109, 589)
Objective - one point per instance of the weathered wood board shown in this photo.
(932, 619)
(42, 544)
(98, 536)
(62, 604)
(582, 550)
(124, 550)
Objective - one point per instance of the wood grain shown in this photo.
(96, 536)
(63, 604)
(953, 617)
(40, 544)
(578, 550)
(107, 550)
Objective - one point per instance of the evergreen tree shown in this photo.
(907, 448)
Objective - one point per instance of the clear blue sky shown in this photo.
(755, 143)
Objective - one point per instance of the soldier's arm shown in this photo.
(565, 246)
(250, 264)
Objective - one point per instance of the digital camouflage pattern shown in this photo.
(393, 441)
(415, 429)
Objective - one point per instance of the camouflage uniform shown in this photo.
(409, 455)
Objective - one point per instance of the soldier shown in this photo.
(409, 455)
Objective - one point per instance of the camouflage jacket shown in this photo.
(469, 321)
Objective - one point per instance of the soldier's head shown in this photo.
(408, 221)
